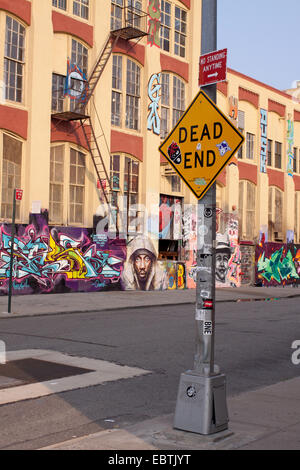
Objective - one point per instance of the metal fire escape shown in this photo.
(130, 24)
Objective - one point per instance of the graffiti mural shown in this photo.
(154, 87)
(142, 271)
(263, 140)
(228, 255)
(277, 264)
(170, 218)
(59, 260)
(175, 274)
(154, 23)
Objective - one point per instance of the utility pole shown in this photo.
(201, 401)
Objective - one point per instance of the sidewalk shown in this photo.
(265, 419)
(82, 302)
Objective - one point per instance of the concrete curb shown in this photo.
(14, 315)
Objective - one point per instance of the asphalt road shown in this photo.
(253, 349)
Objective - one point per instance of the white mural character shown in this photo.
(153, 93)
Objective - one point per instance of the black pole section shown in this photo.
(12, 253)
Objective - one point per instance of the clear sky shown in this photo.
(262, 38)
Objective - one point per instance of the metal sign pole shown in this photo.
(10, 285)
(201, 401)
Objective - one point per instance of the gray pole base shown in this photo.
(201, 403)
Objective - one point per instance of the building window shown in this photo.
(270, 151)
(165, 25)
(123, 168)
(58, 86)
(116, 90)
(180, 32)
(77, 187)
(81, 8)
(275, 214)
(172, 104)
(79, 56)
(116, 15)
(250, 146)
(241, 127)
(56, 198)
(295, 168)
(14, 59)
(175, 183)
(62, 4)
(278, 154)
(132, 95)
(247, 203)
(11, 175)
(129, 105)
(241, 149)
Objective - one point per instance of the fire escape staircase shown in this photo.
(128, 30)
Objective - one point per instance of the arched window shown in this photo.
(125, 169)
(67, 185)
(14, 59)
(126, 93)
(275, 214)
(11, 174)
(247, 203)
(172, 102)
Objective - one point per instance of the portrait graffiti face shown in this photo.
(222, 259)
(142, 265)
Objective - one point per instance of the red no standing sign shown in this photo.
(213, 67)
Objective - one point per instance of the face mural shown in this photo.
(141, 270)
(223, 254)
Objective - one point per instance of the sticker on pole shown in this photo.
(207, 328)
(201, 144)
(19, 194)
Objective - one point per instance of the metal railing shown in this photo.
(128, 18)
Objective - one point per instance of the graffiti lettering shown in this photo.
(263, 142)
(154, 23)
(154, 87)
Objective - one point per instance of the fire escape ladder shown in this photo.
(97, 72)
(103, 178)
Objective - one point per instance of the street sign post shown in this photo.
(201, 144)
(198, 148)
(18, 193)
(213, 67)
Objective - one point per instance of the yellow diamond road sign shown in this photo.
(201, 144)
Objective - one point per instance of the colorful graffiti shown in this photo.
(154, 23)
(290, 140)
(277, 266)
(76, 84)
(55, 260)
(263, 140)
(170, 218)
(175, 273)
(154, 87)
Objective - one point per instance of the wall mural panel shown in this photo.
(59, 259)
(277, 264)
